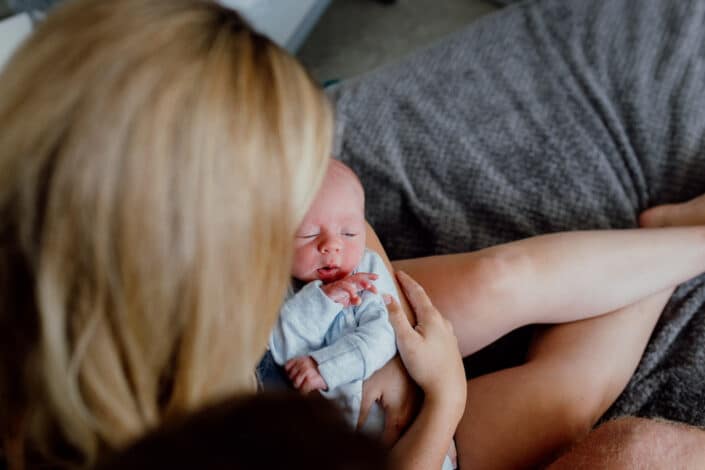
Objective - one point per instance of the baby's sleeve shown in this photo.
(302, 324)
(356, 356)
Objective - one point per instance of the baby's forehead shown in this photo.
(333, 210)
(341, 179)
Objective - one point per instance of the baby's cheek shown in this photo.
(354, 253)
(302, 263)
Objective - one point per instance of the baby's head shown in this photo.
(330, 241)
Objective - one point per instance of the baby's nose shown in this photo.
(330, 245)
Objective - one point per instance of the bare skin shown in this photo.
(304, 375)
(637, 443)
(427, 348)
(543, 406)
(675, 215)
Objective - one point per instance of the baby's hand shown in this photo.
(345, 291)
(303, 373)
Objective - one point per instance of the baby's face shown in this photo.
(330, 241)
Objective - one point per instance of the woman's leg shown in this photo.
(527, 415)
(555, 278)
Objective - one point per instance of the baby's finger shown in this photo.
(298, 380)
(351, 289)
(417, 297)
(363, 279)
(367, 276)
(295, 368)
(306, 386)
(369, 286)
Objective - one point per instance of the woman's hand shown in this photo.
(396, 393)
(432, 358)
(429, 349)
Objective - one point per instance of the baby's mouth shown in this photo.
(327, 273)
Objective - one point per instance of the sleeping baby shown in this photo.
(333, 332)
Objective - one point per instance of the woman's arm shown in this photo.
(391, 385)
(430, 354)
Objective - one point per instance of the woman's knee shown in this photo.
(500, 275)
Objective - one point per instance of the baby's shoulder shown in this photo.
(371, 262)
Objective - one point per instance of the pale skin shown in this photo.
(329, 244)
(637, 443)
(573, 371)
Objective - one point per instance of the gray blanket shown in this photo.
(548, 115)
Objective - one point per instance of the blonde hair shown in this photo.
(156, 158)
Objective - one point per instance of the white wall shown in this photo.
(284, 21)
(12, 31)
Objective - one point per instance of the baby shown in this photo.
(333, 331)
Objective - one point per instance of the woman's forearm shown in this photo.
(429, 351)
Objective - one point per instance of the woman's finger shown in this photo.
(402, 328)
(417, 297)
(365, 406)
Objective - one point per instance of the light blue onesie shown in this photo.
(348, 343)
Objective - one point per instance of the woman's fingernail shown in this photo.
(387, 299)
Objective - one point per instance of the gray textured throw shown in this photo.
(546, 116)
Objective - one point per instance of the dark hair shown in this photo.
(283, 430)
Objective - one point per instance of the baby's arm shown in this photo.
(351, 357)
(307, 315)
(357, 355)
(303, 322)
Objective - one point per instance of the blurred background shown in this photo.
(354, 36)
(336, 39)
